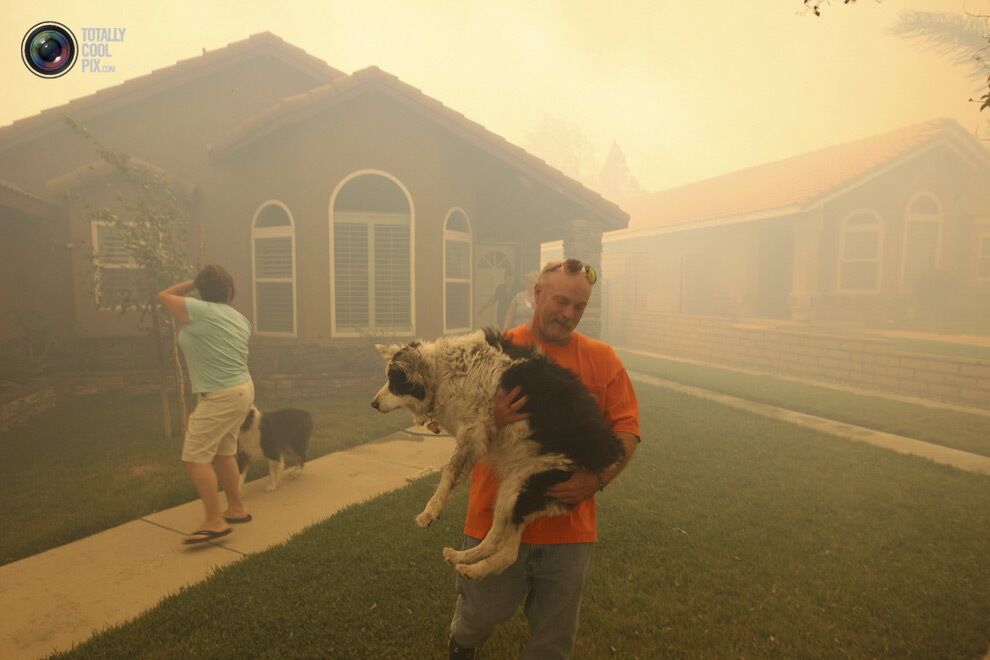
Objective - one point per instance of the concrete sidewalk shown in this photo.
(61, 597)
(962, 460)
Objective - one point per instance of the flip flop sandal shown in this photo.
(205, 535)
(237, 521)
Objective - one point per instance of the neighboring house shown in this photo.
(853, 231)
(343, 205)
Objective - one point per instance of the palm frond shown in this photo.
(964, 39)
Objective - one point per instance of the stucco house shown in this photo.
(851, 231)
(343, 205)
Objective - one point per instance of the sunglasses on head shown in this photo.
(574, 266)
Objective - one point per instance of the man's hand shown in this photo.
(582, 485)
(505, 408)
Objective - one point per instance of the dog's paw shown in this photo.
(295, 474)
(425, 519)
(270, 488)
(472, 571)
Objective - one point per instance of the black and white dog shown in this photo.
(454, 381)
(271, 435)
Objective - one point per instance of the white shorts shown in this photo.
(214, 425)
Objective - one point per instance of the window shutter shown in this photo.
(273, 258)
(458, 305)
(458, 256)
(392, 290)
(118, 285)
(110, 247)
(275, 313)
(350, 258)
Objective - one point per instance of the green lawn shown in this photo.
(96, 462)
(959, 430)
(730, 535)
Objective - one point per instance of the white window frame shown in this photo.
(459, 237)
(273, 232)
(843, 230)
(910, 217)
(98, 263)
(350, 217)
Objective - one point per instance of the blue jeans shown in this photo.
(549, 577)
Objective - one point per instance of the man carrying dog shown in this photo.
(555, 555)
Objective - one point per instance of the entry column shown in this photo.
(806, 275)
(583, 241)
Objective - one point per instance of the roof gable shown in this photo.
(99, 169)
(14, 197)
(297, 108)
(794, 184)
(165, 79)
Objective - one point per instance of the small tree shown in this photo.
(151, 225)
(615, 181)
(565, 147)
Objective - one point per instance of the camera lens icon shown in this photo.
(49, 49)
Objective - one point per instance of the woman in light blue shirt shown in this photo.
(214, 341)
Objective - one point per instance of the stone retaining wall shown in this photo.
(868, 363)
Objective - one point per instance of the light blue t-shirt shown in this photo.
(215, 345)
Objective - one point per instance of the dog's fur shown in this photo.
(454, 382)
(271, 435)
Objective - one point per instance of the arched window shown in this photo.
(456, 272)
(273, 239)
(860, 241)
(922, 239)
(372, 257)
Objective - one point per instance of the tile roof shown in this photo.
(793, 184)
(167, 77)
(299, 107)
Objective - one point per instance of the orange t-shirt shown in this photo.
(601, 371)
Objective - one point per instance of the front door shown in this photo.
(494, 263)
(776, 246)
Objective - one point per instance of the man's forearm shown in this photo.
(180, 289)
(629, 442)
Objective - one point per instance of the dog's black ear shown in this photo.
(247, 420)
(492, 336)
(400, 384)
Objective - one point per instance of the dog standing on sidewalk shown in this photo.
(271, 435)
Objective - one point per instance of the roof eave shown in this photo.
(721, 221)
(80, 176)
